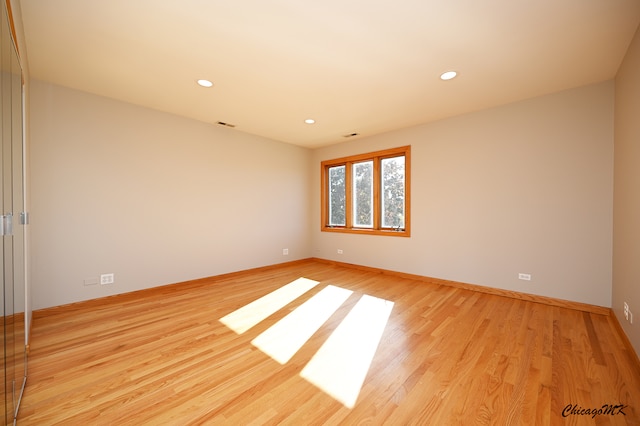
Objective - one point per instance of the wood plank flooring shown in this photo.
(447, 356)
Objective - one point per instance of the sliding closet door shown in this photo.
(12, 257)
(18, 231)
(6, 201)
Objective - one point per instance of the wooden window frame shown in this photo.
(377, 158)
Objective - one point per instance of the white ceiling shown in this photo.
(363, 66)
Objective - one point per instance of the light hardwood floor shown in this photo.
(447, 356)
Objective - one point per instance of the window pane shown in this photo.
(363, 194)
(337, 196)
(393, 192)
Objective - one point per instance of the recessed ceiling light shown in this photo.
(309, 121)
(205, 83)
(448, 75)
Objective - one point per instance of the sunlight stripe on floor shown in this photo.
(341, 364)
(283, 339)
(249, 315)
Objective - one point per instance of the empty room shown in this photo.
(310, 213)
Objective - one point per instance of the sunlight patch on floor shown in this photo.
(282, 340)
(249, 315)
(341, 364)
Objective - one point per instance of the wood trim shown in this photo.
(122, 297)
(348, 201)
(367, 231)
(585, 307)
(407, 191)
(377, 202)
(634, 357)
(369, 155)
(12, 26)
(348, 163)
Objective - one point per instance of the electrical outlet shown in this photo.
(626, 311)
(340, 251)
(107, 279)
(628, 315)
(285, 252)
(525, 277)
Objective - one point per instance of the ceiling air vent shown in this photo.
(222, 123)
(350, 135)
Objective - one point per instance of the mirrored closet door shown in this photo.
(12, 223)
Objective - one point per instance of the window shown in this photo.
(367, 193)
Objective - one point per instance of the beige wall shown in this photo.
(156, 198)
(153, 198)
(526, 187)
(626, 246)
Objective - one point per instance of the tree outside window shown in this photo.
(367, 193)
